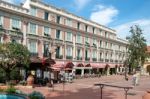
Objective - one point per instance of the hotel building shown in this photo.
(69, 38)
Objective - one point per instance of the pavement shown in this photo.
(85, 89)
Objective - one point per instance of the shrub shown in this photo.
(2, 76)
(10, 89)
(36, 95)
(23, 82)
(15, 74)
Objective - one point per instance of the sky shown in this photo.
(116, 14)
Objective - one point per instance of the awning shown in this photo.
(112, 65)
(58, 65)
(35, 60)
(80, 65)
(98, 65)
(69, 65)
(87, 65)
(94, 65)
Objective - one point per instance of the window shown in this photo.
(78, 25)
(106, 34)
(46, 15)
(14, 40)
(58, 19)
(93, 30)
(46, 31)
(16, 23)
(1, 39)
(86, 27)
(100, 43)
(86, 54)
(46, 50)
(106, 45)
(79, 39)
(33, 46)
(32, 28)
(58, 34)
(69, 51)
(86, 39)
(78, 52)
(100, 31)
(1, 20)
(69, 36)
(94, 54)
(69, 22)
(33, 11)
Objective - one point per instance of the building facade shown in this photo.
(69, 38)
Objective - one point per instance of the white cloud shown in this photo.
(104, 14)
(123, 29)
(14, 1)
(81, 4)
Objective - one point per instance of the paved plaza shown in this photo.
(85, 89)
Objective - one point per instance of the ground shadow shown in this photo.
(85, 93)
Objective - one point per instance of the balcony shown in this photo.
(45, 54)
(87, 58)
(87, 44)
(106, 60)
(32, 36)
(94, 45)
(101, 59)
(111, 60)
(68, 57)
(116, 61)
(59, 56)
(79, 44)
(47, 36)
(94, 59)
(15, 32)
(2, 30)
(69, 42)
(79, 58)
(33, 54)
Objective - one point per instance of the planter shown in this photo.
(30, 80)
(147, 95)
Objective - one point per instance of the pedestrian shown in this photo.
(134, 81)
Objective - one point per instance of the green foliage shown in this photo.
(2, 76)
(15, 74)
(11, 90)
(136, 48)
(36, 95)
(12, 55)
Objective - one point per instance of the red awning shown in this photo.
(80, 65)
(87, 65)
(112, 65)
(98, 65)
(69, 65)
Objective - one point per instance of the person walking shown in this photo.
(134, 79)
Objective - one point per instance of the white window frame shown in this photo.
(15, 19)
(70, 54)
(35, 11)
(79, 41)
(36, 50)
(67, 36)
(36, 30)
(1, 39)
(60, 34)
(1, 20)
(49, 30)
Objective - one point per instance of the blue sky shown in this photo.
(117, 14)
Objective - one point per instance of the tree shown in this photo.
(136, 48)
(11, 56)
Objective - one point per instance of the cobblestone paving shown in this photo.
(85, 89)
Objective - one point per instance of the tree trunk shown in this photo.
(7, 76)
